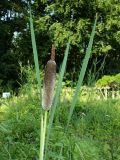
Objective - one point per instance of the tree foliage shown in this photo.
(12, 22)
(56, 21)
(74, 19)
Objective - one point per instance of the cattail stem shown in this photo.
(45, 126)
(41, 139)
(42, 134)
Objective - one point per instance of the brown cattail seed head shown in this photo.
(48, 85)
(49, 81)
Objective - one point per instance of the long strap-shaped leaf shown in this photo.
(35, 53)
(82, 73)
(59, 86)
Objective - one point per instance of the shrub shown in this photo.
(111, 81)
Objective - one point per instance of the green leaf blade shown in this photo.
(82, 73)
(35, 54)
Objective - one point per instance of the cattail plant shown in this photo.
(49, 81)
(48, 86)
(47, 97)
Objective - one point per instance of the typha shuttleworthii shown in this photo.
(49, 81)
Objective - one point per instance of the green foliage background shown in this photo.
(94, 131)
(54, 21)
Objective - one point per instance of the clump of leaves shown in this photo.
(111, 81)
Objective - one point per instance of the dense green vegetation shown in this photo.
(54, 21)
(94, 131)
(111, 81)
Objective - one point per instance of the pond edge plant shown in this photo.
(59, 86)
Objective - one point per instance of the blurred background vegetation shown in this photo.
(54, 21)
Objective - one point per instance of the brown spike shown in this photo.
(53, 52)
